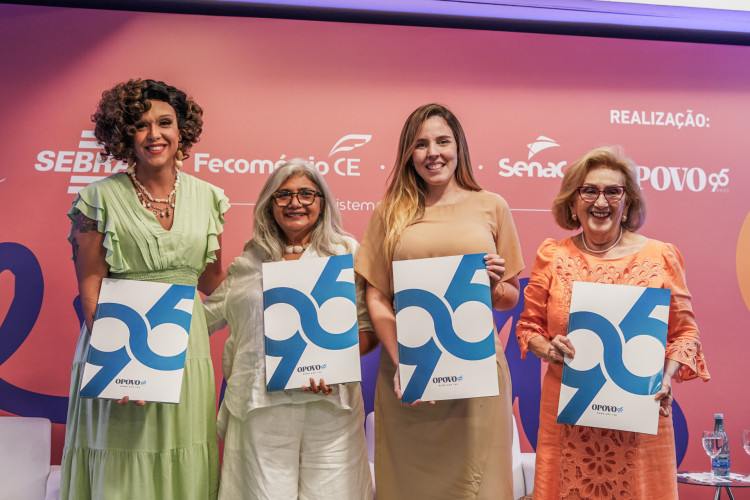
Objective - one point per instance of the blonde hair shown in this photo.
(327, 233)
(612, 157)
(404, 200)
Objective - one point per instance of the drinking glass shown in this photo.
(746, 441)
(712, 443)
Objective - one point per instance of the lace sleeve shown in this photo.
(683, 342)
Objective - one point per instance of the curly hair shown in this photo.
(612, 157)
(124, 104)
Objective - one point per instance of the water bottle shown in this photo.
(720, 464)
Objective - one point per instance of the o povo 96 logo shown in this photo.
(450, 379)
(607, 409)
(628, 363)
(142, 348)
(445, 359)
(130, 381)
(311, 349)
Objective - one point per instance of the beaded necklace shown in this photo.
(290, 249)
(147, 199)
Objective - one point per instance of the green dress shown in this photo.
(157, 451)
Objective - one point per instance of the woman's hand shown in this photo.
(664, 396)
(495, 268)
(397, 383)
(399, 394)
(504, 293)
(318, 388)
(552, 351)
(126, 399)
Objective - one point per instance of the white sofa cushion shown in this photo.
(24, 457)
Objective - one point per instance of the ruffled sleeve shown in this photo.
(683, 342)
(533, 320)
(220, 204)
(92, 202)
(370, 262)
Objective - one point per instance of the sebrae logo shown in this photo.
(85, 165)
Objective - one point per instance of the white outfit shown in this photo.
(271, 435)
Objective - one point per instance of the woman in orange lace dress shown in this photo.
(600, 194)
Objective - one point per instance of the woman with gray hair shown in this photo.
(294, 443)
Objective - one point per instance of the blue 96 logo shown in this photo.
(290, 350)
(425, 357)
(638, 321)
(164, 311)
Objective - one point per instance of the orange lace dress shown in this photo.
(575, 462)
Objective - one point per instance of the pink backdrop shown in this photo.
(278, 89)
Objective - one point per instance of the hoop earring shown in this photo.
(178, 158)
(131, 165)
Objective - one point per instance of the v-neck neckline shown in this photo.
(147, 214)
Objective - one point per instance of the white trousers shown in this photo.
(312, 451)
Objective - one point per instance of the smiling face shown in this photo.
(600, 220)
(435, 155)
(157, 137)
(295, 220)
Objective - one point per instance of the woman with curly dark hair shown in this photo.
(151, 223)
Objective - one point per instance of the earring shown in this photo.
(178, 158)
(573, 216)
(131, 165)
(624, 217)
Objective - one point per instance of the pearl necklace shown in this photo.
(290, 249)
(583, 237)
(149, 199)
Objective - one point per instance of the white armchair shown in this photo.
(25, 471)
(370, 439)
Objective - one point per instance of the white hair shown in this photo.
(327, 233)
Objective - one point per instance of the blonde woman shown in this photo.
(434, 207)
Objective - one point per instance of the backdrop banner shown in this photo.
(338, 94)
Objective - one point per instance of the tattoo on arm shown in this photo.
(83, 224)
(74, 244)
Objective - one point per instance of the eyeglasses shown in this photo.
(305, 197)
(590, 194)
